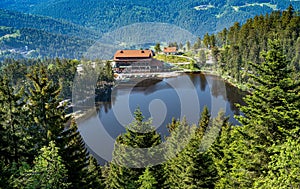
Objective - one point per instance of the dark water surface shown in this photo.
(160, 100)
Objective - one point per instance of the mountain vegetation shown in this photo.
(238, 48)
(198, 17)
(20, 20)
(68, 28)
(29, 36)
(40, 145)
(245, 156)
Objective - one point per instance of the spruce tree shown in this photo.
(220, 155)
(274, 102)
(49, 122)
(94, 179)
(284, 167)
(75, 157)
(48, 171)
(272, 113)
(193, 166)
(128, 165)
(180, 136)
(147, 180)
(47, 118)
(13, 142)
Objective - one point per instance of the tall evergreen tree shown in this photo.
(48, 171)
(139, 134)
(147, 180)
(271, 114)
(284, 167)
(193, 166)
(13, 141)
(94, 178)
(46, 114)
(49, 122)
(75, 157)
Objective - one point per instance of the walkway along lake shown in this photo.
(161, 100)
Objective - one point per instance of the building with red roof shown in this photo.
(136, 61)
(170, 50)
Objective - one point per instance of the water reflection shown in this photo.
(143, 91)
(160, 100)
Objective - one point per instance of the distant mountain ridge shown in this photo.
(67, 28)
(197, 16)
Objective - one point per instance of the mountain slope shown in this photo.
(33, 43)
(197, 16)
(21, 20)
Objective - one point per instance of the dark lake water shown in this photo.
(160, 100)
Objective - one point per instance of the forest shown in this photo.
(42, 148)
(104, 17)
(33, 43)
(67, 28)
(237, 48)
(29, 36)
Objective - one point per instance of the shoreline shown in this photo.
(241, 87)
(136, 77)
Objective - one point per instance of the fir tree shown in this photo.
(12, 132)
(147, 180)
(94, 178)
(49, 121)
(75, 157)
(271, 114)
(284, 167)
(48, 171)
(193, 166)
(47, 115)
(140, 135)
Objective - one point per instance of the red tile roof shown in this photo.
(133, 54)
(170, 49)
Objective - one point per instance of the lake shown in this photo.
(160, 100)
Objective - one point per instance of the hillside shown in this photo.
(32, 43)
(47, 24)
(25, 35)
(241, 46)
(198, 17)
(67, 28)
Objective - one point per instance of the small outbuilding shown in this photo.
(170, 50)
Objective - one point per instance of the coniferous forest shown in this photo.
(42, 148)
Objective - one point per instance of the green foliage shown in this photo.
(171, 58)
(157, 48)
(271, 114)
(48, 171)
(13, 139)
(140, 136)
(63, 71)
(275, 99)
(94, 178)
(147, 180)
(202, 56)
(193, 166)
(242, 44)
(37, 117)
(46, 114)
(75, 157)
(284, 167)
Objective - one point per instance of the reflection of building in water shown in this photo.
(136, 61)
